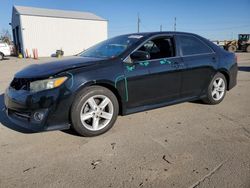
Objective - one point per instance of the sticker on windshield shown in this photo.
(135, 36)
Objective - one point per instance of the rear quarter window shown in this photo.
(192, 46)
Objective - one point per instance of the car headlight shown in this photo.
(40, 85)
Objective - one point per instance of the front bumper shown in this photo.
(54, 105)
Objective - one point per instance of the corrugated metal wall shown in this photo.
(16, 31)
(49, 34)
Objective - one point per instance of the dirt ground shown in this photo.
(184, 145)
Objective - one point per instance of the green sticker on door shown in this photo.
(130, 68)
(144, 63)
(164, 61)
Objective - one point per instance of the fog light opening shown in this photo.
(38, 116)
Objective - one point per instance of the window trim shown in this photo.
(198, 54)
(127, 58)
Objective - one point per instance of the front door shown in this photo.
(156, 80)
(164, 80)
(136, 83)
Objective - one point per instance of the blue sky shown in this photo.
(213, 19)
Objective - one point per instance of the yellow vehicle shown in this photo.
(242, 44)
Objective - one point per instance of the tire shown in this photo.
(1, 56)
(216, 92)
(94, 111)
(232, 48)
(248, 49)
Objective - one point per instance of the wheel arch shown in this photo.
(113, 90)
(226, 74)
(107, 85)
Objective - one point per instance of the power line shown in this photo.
(217, 29)
(174, 23)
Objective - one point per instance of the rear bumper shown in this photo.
(54, 105)
(233, 72)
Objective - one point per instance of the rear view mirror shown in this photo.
(140, 56)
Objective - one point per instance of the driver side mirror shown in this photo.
(140, 55)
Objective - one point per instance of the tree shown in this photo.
(5, 36)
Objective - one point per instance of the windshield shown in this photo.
(112, 47)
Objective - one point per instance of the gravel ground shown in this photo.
(184, 145)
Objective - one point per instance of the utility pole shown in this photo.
(160, 27)
(174, 23)
(138, 23)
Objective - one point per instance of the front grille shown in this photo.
(20, 83)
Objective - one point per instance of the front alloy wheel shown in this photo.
(94, 111)
(97, 112)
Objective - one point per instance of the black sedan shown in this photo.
(122, 75)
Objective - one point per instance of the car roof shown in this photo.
(161, 32)
(152, 34)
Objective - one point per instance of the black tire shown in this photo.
(81, 101)
(1, 56)
(248, 49)
(209, 98)
(232, 48)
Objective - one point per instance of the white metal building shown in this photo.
(48, 30)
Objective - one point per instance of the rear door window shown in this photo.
(192, 46)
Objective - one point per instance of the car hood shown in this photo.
(51, 68)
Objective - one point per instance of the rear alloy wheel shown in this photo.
(94, 111)
(216, 90)
(232, 48)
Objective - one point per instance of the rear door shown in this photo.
(200, 61)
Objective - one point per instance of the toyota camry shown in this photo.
(122, 75)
